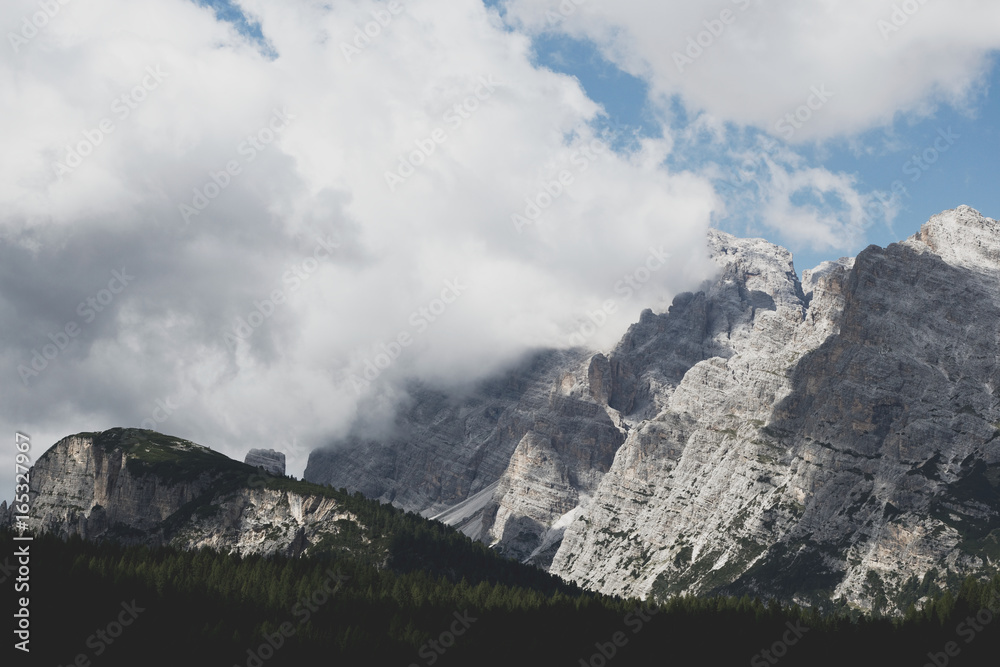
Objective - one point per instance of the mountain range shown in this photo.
(831, 440)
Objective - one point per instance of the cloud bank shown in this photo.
(251, 242)
(757, 62)
(395, 191)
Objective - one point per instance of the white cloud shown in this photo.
(835, 217)
(322, 175)
(760, 61)
(802, 72)
(358, 112)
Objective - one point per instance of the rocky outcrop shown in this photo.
(832, 437)
(81, 488)
(454, 454)
(262, 521)
(142, 487)
(268, 459)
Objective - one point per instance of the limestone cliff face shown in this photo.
(79, 488)
(262, 521)
(694, 477)
(502, 462)
(109, 485)
(829, 437)
(837, 443)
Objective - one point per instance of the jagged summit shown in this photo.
(825, 438)
(836, 438)
(962, 237)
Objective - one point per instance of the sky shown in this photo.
(250, 224)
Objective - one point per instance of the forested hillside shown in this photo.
(111, 604)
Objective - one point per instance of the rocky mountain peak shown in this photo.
(962, 237)
(834, 438)
(754, 271)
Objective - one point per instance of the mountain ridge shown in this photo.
(829, 441)
(751, 427)
(140, 487)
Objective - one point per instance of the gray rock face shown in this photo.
(831, 444)
(105, 485)
(472, 450)
(268, 459)
(830, 438)
(825, 438)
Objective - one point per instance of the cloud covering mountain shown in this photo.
(248, 236)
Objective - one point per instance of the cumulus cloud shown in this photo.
(286, 212)
(802, 73)
(775, 191)
(370, 191)
(752, 62)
